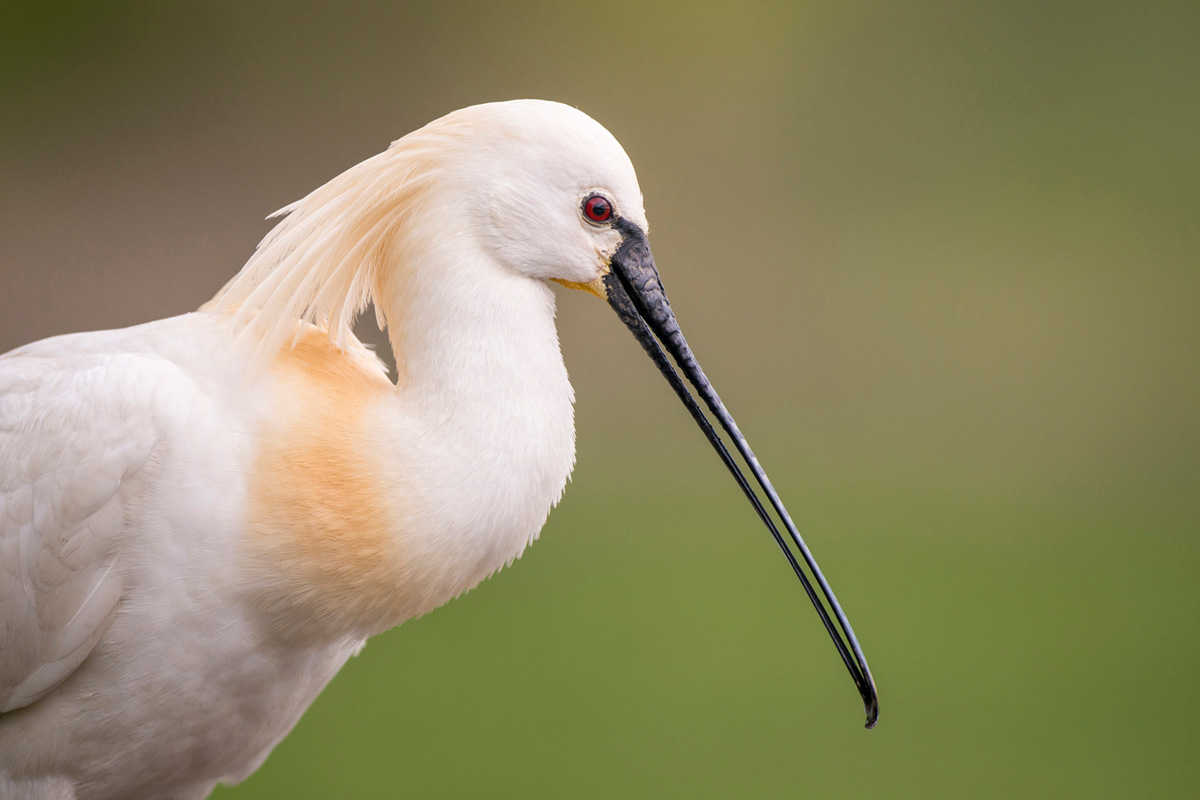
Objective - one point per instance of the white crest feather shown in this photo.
(321, 263)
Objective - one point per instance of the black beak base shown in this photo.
(636, 293)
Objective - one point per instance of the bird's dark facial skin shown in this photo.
(635, 291)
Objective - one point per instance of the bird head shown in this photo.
(542, 186)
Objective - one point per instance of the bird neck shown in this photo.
(464, 329)
(481, 430)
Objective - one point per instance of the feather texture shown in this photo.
(322, 262)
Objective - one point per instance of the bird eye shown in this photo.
(597, 208)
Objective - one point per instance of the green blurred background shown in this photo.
(941, 259)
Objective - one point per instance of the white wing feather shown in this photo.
(70, 437)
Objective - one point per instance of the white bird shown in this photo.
(202, 518)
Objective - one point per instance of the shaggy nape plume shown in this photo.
(321, 263)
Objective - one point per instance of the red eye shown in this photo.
(597, 208)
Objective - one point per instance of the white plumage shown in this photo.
(202, 518)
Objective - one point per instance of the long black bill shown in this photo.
(636, 293)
